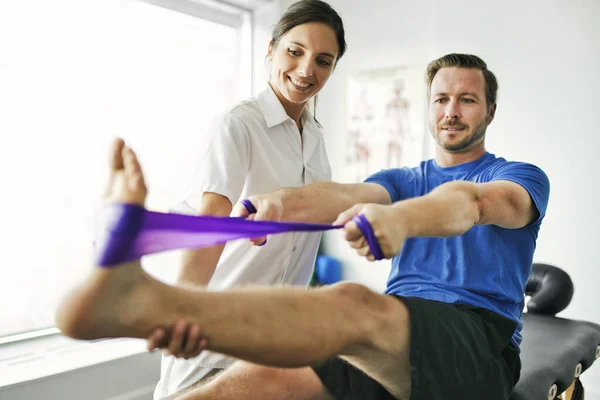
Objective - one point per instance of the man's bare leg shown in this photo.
(279, 327)
(249, 381)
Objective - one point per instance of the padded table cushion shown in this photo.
(551, 349)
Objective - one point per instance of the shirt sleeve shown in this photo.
(531, 178)
(224, 161)
(399, 182)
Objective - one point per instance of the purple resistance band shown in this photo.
(367, 230)
(132, 231)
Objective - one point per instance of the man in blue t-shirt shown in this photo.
(461, 230)
(442, 268)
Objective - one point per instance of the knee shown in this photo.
(370, 306)
(384, 319)
(356, 294)
(362, 297)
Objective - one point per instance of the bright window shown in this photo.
(74, 74)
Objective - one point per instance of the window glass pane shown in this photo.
(74, 74)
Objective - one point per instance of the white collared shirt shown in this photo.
(253, 148)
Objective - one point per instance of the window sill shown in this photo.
(38, 358)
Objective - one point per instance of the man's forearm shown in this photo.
(449, 210)
(323, 201)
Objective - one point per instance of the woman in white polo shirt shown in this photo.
(258, 146)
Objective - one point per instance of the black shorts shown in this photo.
(457, 351)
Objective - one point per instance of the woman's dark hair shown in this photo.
(306, 11)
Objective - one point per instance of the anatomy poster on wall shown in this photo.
(385, 121)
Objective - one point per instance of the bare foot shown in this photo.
(114, 301)
(126, 181)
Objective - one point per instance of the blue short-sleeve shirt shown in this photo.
(488, 266)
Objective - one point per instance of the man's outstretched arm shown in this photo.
(455, 207)
(449, 210)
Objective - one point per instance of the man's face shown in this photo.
(458, 115)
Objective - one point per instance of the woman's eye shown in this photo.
(293, 52)
(323, 63)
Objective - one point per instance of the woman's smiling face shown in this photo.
(302, 61)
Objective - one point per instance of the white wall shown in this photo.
(546, 55)
(265, 16)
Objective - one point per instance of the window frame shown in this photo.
(216, 11)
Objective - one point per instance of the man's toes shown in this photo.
(134, 178)
(115, 162)
(116, 157)
(131, 164)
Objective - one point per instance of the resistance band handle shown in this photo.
(365, 227)
(252, 210)
(249, 206)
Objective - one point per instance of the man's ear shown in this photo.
(490, 117)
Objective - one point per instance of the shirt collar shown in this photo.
(308, 121)
(271, 107)
(275, 114)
